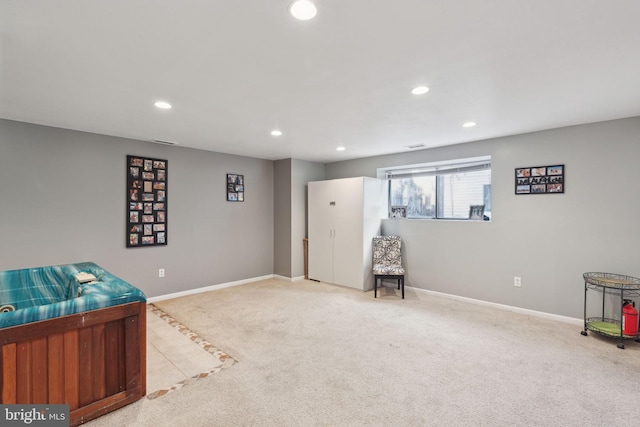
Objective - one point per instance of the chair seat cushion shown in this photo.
(381, 269)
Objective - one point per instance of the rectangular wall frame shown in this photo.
(147, 181)
(540, 180)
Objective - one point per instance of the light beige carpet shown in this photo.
(312, 354)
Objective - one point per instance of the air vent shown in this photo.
(163, 142)
(415, 147)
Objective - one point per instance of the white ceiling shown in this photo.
(236, 69)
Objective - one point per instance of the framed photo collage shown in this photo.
(540, 180)
(235, 187)
(146, 201)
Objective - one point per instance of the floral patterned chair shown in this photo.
(387, 261)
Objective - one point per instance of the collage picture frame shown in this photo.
(147, 182)
(235, 187)
(540, 180)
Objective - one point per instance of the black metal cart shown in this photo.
(603, 283)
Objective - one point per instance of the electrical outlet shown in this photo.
(517, 281)
(161, 272)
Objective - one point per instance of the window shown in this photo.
(443, 190)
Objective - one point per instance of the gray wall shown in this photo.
(301, 173)
(548, 240)
(63, 200)
(290, 195)
(282, 213)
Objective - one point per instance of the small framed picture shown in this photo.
(398, 211)
(235, 187)
(555, 170)
(555, 188)
(541, 171)
(540, 188)
(476, 212)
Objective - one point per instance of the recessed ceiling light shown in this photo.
(420, 90)
(303, 10)
(162, 104)
(341, 148)
(469, 124)
(276, 132)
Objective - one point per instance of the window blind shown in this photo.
(439, 169)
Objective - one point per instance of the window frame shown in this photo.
(437, 170)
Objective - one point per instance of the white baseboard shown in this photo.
(542, 314)
(288, 279)
(210, 288)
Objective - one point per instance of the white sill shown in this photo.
(439, 219)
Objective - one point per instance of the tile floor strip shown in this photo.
(205, 345)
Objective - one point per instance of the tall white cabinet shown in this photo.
(343, 217)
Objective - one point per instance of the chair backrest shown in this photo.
(476, 212)
(386, 250)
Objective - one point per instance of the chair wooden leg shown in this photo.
(402, 280)
(375, 287)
